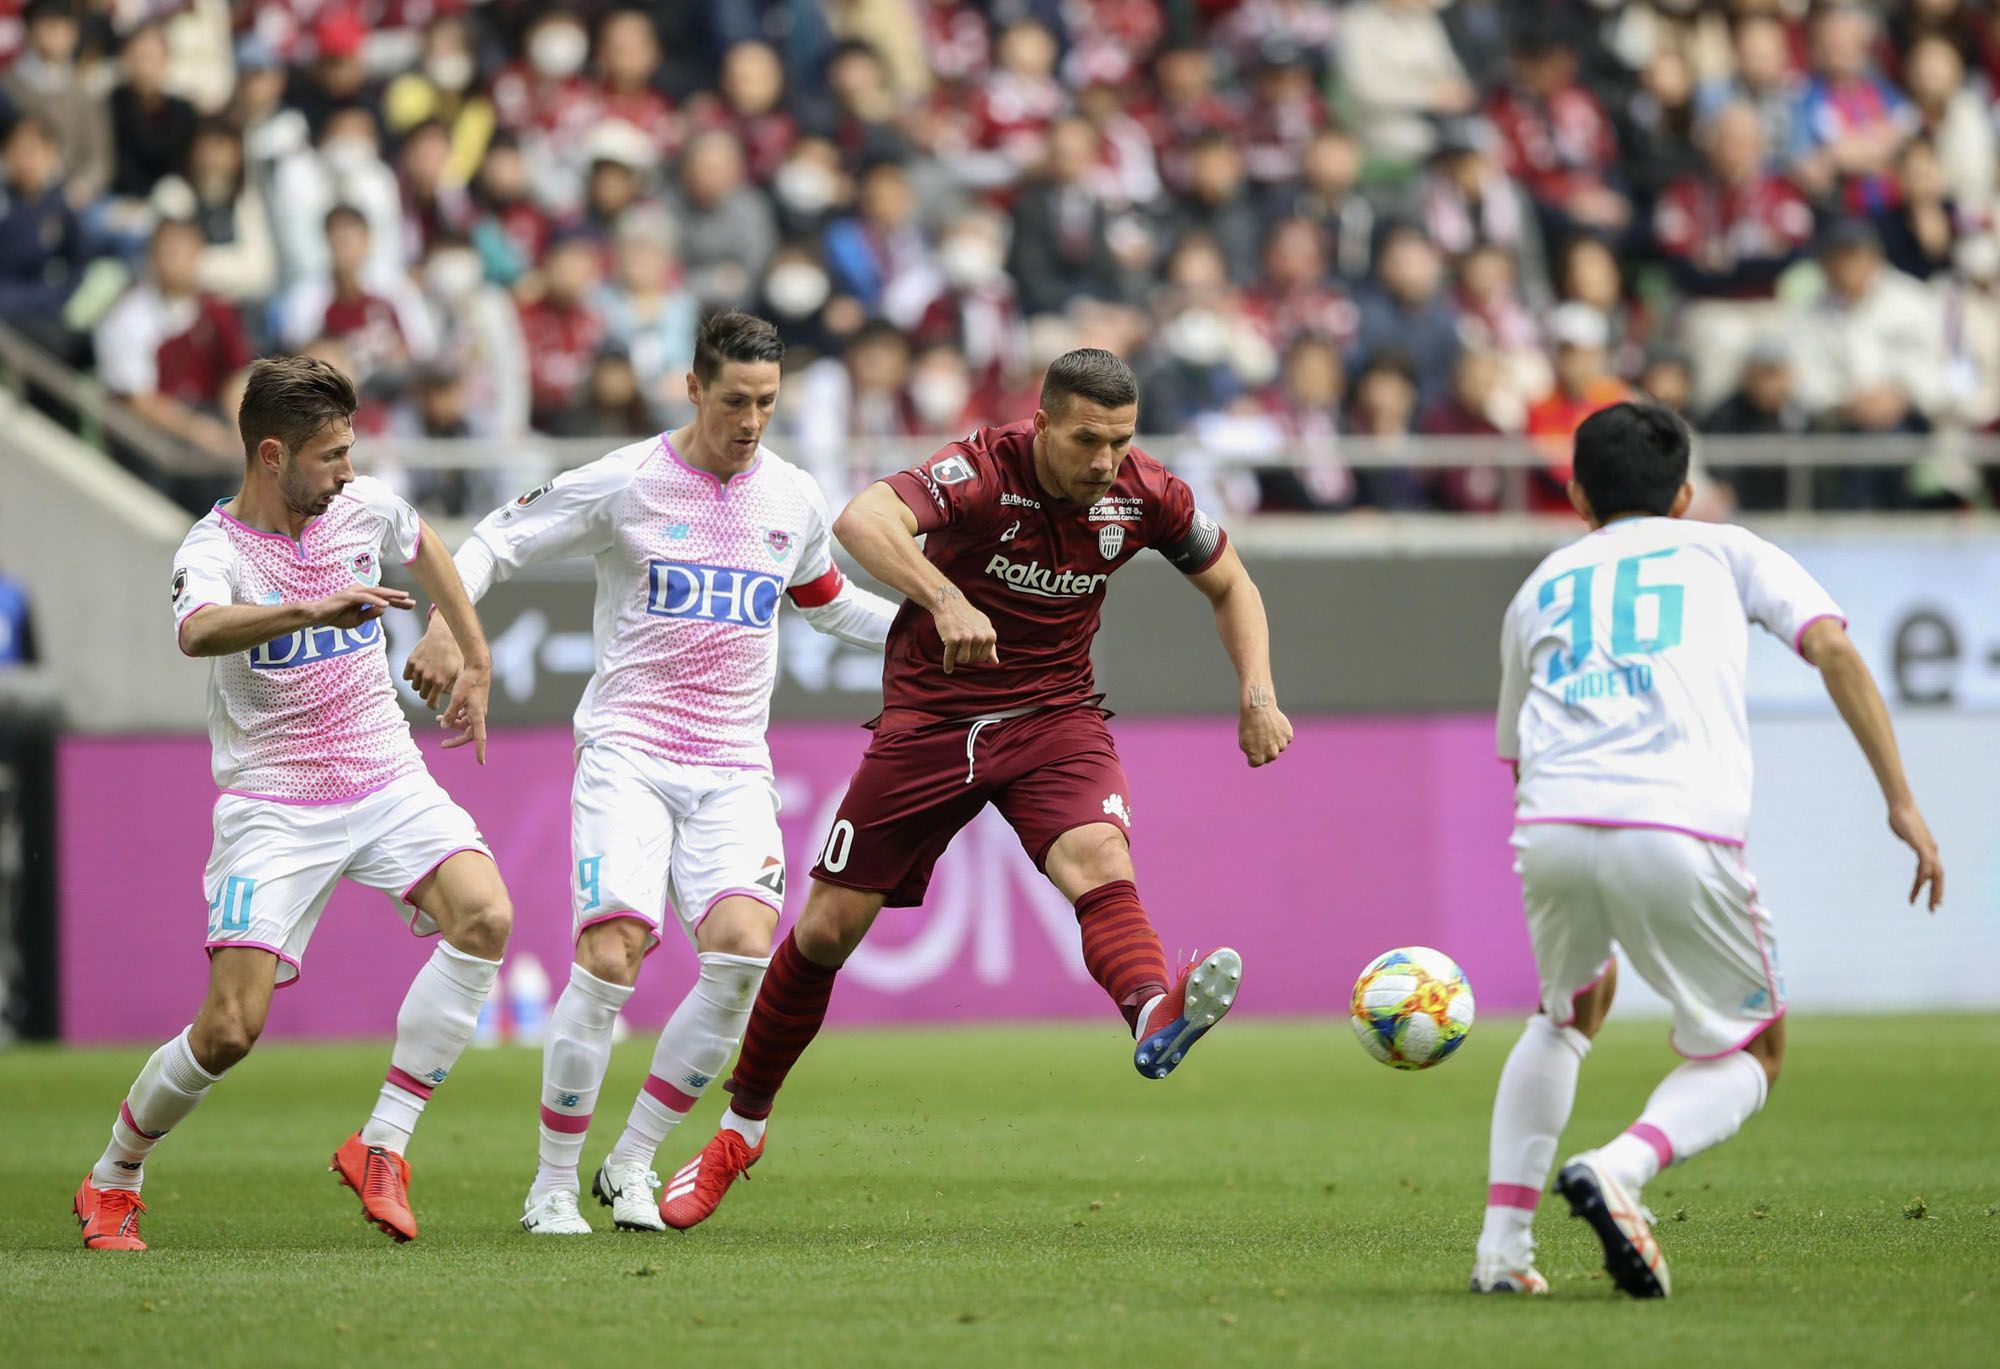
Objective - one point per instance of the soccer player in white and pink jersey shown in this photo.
(281, 588)
(1622, 712)
(697, 534)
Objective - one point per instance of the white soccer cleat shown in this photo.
(627, 1189)
(1507, 1276)
(554, 1215)
(1632, 1256)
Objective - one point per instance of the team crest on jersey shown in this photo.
(536, 493)
(367, 570)
(953, 470)
(779, 541)
(180, 582)
(1111, 540)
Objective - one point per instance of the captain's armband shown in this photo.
(1197, 548)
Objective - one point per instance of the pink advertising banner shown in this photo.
(1369, 834)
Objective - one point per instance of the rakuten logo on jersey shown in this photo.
(1031, 577)
(311, 644)
(716, 594)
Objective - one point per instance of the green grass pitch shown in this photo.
(966, 1198)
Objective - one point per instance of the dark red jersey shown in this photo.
(1036, 566)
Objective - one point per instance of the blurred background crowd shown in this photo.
(1303, 222)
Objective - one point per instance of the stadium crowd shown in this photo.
(1302, 221)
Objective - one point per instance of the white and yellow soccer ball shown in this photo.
(1411, 1007)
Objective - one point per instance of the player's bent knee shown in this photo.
(1086, 858)
(832, 926)
(482, 927)
(1767, 1048)
(222, 1036)
(613, 951)
(738, 926)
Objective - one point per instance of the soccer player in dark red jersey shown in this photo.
(988, 698)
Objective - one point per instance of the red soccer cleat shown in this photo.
(1204, 992)
(382, 1179)
(109, 1217)
(696, 1189)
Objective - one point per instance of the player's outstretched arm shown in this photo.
(880, 533)
(225, 629)
(1827, 645)
(1261, 729)
(466, 714)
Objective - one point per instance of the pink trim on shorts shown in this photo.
(1752, 1035)
(1602, 970)
(1770, 980)
(1513, 1195)
(1640, 826)
(652, 927)
(566, 1123)
(297, 969)
(454, 851)
(315, 803)
(125, 1116)
(1654, 1137)
(407, 1082)
(721, 482)
(667, 1095)
(1799, 638)
(762, 896)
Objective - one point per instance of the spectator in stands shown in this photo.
(1494, 321)
(1383, 408)
(1470, 410)
(1667, 379)
(727, 229)
(439, 411)
(620, 160)
(1726, 236)
(347, 169)
(1286, 110)
(1764, 404)
(548, 104)
(1325, 193)
(1406, 309)
(1762, 77)
(749, 101)
(810, 188)
(1397, 63)
(1060, 248)
(336, 76)
(169, 349)
(1299, 417)
(979, 309)
(445, 88)
(1958, 123)
(151, 129)
(239, 260)
(378, 314)
(649, 313)
(1187, 105)
(47, 83)
(628, 65)
(863, 122)
(1555, 138)
(1207, 349)
(1584, 384)
(433, 204)
(1217, 204)
(272, 131)
(562, 330)
(1920, 236)
(1126, 174)
(1466, 200)
(1850, 123)
(611, 406)
(1018, 102)
(1296, 293)
(797, 296)
(940, 390)
(479, 338)
(42, 248)
(1588, 272)
(510, 230)
(1657, 129)
(879, 255)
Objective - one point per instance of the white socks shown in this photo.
(1700, 1104)
(694, 1047)
(167, 1089)
(1530, 1110)
(751, 1129)
(432, 1029)
(575, 1053)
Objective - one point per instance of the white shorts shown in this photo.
(643, 829)
(274, 865)
(1685, 912)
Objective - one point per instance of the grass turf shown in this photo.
(1000, 1197)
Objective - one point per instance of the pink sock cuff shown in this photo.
(667, 1096)
(570, 1124)
(1513, 1195)
(125, 1116)
(1654, 1137)
(408, 1083)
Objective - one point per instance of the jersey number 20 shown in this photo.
(1626, 595)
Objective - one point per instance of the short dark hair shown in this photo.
(292, 398)
(733, 336)
(1631, 458)
(1089, 373)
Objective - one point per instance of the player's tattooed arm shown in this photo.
(880, 533)
(1262, 730)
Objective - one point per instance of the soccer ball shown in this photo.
(1411, 1008)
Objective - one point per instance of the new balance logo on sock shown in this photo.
(568, 1100)
(128, 1164)
(437, 1076)
(696, 1080)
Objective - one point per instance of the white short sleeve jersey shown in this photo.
(1622, 664)
(690, 570)
(310, 717)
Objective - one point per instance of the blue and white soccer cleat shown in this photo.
(1181, 1017)
(1631, 1256)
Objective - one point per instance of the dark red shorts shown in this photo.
(1046, 772)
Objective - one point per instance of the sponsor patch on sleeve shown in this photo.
(953, 470)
